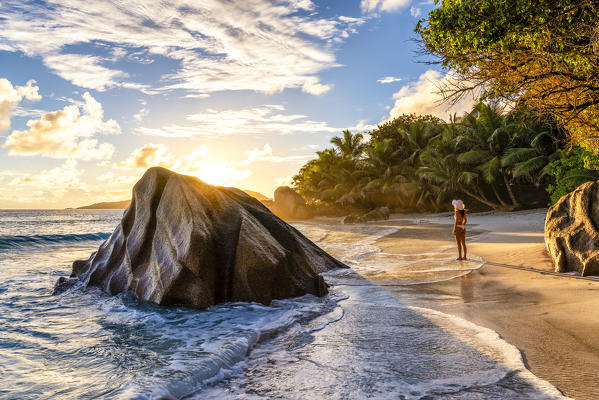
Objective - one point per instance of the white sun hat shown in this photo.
(458, 204)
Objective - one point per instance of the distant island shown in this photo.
(107, 205)
(121, 205)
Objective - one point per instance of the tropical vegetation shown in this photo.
(543, 53)
(491, 159)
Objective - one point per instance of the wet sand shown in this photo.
(553, 320)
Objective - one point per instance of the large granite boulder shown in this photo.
(571, 234)
(378, 214)
(289, 204)
(185, 242)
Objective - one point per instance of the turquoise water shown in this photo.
(357, 342)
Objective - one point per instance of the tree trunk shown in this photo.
(503, 203)
(481, 199)
(509, 190)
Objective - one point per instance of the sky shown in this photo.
(238, 92)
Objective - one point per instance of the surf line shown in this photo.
(538, 271)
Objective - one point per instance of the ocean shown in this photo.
(360, 341)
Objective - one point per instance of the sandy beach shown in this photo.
(553, 319)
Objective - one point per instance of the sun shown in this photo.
(218, 174)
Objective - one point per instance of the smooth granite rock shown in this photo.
(185, 242)
(571, 233)
(289, 204)
(378, 214)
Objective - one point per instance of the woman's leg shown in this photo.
(459, 243)
(464, 246)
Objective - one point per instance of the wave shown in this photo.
(16, 242)
(230, 332)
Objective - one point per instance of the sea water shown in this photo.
(357, 342)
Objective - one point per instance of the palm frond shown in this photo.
(473, 156)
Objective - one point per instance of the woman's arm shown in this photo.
(455, 222)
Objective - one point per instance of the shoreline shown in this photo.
(552, 319)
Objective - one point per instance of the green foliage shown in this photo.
(571, 170)
(426, 161)
(543, 53)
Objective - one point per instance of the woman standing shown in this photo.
(459, 227)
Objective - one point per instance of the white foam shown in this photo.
(484, 339)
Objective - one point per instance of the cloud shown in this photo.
(256, 153)
(383, 5)
(423, 97)
(150, 155)
(388, 79)
(260, 45)
(284, 181)
(415, 12)
(11, 96)
(313, 86)
(194, 163)
(141, 114)
(84, 71)
(29, 91)
(66, 133)
(113, 179)
(362, 126)
(265, 154)
(57, 181)
(262, 120)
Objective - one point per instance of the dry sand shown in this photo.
(553, 319)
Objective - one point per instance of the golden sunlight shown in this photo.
(218, 174)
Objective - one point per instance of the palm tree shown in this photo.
(350, 146)
(488, 138)
(384, 174)
(537, 142)
(447, 176)
(416, 137)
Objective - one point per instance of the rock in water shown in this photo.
(184, 242)
(571, 234)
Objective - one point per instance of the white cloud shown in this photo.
(29, 91)
(424, 97)
(262, 120)
(388, 79)
(57, 180)
(66, 133)
(265, 154)
(255, 153)
(141, 114)
(83, 70)
(260, 45)
(284, 181)
(11, 96)
(415, 12)
(361, 126)
(313, 86)
(383, 5)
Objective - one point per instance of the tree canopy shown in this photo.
(490, 159)
(544, 53)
